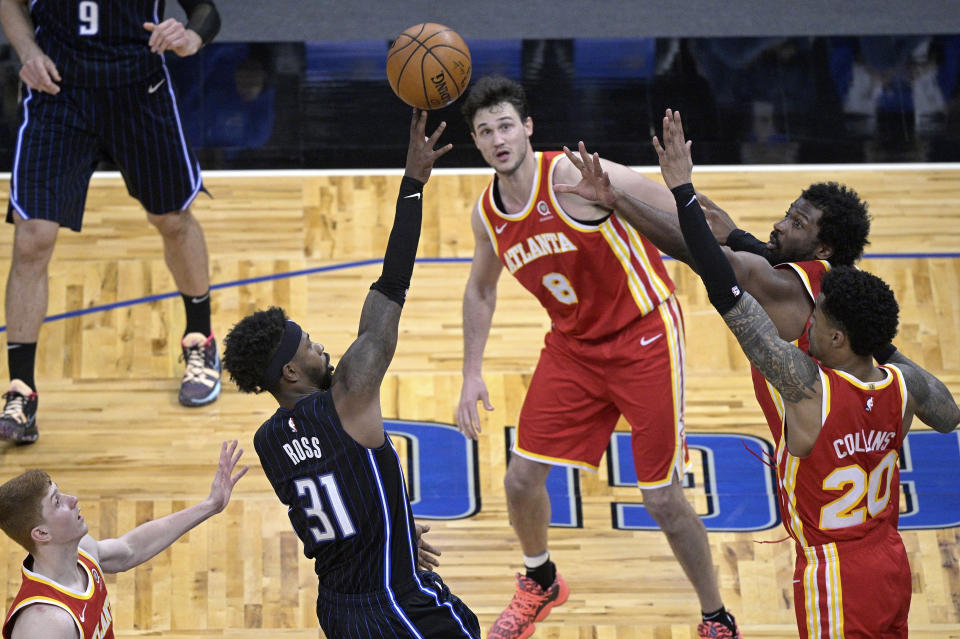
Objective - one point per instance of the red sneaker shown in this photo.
(530, 604)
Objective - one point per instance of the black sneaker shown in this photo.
(201, 381)
(18, 422)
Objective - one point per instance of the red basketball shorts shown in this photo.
(579, 391)
(856, 590)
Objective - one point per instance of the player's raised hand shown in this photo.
(40, 74)
(172, 35)
(421, 154)
(468, 417)
(225, 479)
(594, 184)
(676, 164)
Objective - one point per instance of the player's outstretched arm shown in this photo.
(356, 382)
(779, 292)
(38, 71)
(929, 398)
(786, 367)
(147, 540)
(657, 225)
(790, 370)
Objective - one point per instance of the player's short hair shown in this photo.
(249, 346)
(491, 90)
(862, 306)
(844, 223)
(21, 506)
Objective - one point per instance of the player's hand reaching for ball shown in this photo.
(421, 153)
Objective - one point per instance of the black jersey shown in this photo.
(347, 503)
(98, 43)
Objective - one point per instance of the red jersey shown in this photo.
(811, 274)
(90, 609)
(849, 484)
(593, 279)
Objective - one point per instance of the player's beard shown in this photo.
(782, 255)
(322, 376)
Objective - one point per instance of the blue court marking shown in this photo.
(244, 282)
(358, 263)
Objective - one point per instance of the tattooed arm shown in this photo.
(787, 368)
(929, 399)
(791, 371)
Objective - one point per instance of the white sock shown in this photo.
(536, 561)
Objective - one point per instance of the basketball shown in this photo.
(428, 66)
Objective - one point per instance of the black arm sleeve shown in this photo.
(711, 263)
(740, 240)
(402, 245)
(202, 18)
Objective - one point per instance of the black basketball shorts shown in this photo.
(62, 137)
(424, 610)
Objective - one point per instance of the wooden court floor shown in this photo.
(112, 433)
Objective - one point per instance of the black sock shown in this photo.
(723, 617)
(544, 574)
(198, 313)
(21, 358)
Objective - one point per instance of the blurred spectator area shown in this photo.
(292, 105)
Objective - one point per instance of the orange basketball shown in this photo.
(428, 66)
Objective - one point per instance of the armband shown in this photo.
(711, 263)
(202, 18)
(740, 240)
(402, 246)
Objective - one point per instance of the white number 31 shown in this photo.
(89, 18)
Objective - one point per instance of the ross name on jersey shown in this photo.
(862, 442)
(535, 247)
(302, 448)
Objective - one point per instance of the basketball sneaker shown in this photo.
(18, 422)
(200, 384)
(718, 630)
(530, 604)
